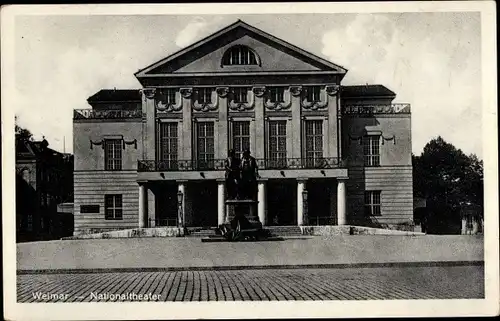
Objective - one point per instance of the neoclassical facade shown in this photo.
(328, 154)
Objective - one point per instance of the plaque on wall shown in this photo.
(89, 209)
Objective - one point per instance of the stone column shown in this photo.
(221, 206)
(341, 201)
(300, 203)
(261, 197)
(181, 217)
(143, 201)
(151, 220)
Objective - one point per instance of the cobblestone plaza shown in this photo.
(386, 283)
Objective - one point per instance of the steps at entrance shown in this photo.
(284, 230)
(273, 230)
(201, 232)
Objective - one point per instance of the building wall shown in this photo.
(394, 175)
(92, 182)
(92, 158)
(90, 189)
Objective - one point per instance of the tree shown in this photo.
(449, 180)
(22, 133)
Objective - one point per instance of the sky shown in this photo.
(431, 60)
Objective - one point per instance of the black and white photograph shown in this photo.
(249, 160)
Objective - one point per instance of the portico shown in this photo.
(281, 201)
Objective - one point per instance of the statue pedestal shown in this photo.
(246, 208)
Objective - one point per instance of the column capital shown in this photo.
(295, 90)
(342, 179)
(222, 91)
(186, 92)
(302, 180)
(220, 180)
(262, 180)
(141, 183)
(181, 181)
(149, 92)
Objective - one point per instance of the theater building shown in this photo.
(328, 154)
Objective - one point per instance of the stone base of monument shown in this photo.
(241, 222)
(243, 208)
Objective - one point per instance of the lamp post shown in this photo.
(305, 207)
(180, 198)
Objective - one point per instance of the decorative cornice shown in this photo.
(162, 104)
(296, 90)
(186, 92)
(359, 139)
(393, 138)
(97, 143)
(204, 107)
(279, 105)
(317, 104)
(242, 106)
(132, 142)
(124, 142)
(222, 91)
(259, 91)
(149, 92)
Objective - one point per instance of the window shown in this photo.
(372, 203)
(113, 207)
(169, 95)
(113, 154)
(241, 137)
(277, 144)
(205, 146)
(168, 146)
(277, 94)
(89, 208)
(240, 95)
(312, 94)
(29, 225)
(371, 150)
(314, 142)
(239, 55)
(204, 95)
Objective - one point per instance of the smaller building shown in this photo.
(472, 220)
(44, 179)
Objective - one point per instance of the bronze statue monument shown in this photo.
(241, 176)
(232, 165)
(241, 184)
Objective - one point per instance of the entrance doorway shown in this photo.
(166, 203)
(319, 201)
(203, 198)
(281, 202)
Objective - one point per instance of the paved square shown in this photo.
(387, 283)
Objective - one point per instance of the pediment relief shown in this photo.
(271, 54)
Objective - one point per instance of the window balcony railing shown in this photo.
(106, 114)
(219, 164)
(396, 108)
(179, 165)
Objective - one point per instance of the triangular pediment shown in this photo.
(274, 55)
